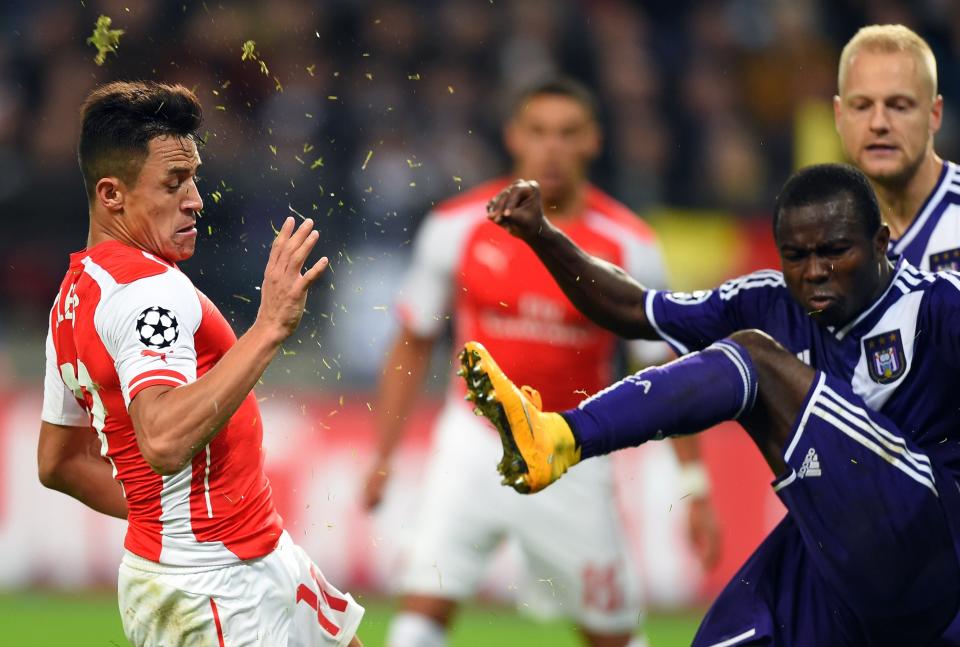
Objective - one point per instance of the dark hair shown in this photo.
(119, 119)
(563, 86)
(823, 183)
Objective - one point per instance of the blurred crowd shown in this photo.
(363, 113)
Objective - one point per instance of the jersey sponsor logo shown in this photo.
(886, 361)
(946, 260)
(688, 298)
(157, 327)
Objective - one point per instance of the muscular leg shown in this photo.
(748, 377)
(782, 384)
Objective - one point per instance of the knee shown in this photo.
(761, 347)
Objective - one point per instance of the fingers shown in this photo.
(314, 272)
(290, 248)
(503, 204)
(280, 239)
(518, 194)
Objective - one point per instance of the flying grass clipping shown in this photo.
(106, 40)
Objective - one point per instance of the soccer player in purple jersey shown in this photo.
(844, 371)
(887, 112)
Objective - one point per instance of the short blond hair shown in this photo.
(889, 39)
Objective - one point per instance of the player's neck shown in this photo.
(900, 203)
(568, 206)
(98, 233)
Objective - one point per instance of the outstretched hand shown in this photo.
(518, 209)
(283, 294)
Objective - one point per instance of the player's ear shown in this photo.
(110, 193)
(836, 111)
(881, 241)
(936, 114)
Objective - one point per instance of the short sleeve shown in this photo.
(60, 405)
(940, 315)
(690, 321)
(148, 328)
(426, 290)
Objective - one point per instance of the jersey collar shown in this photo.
(873, 312)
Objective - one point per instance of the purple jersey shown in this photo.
(872, 466)
(901, 355)
(932, 241)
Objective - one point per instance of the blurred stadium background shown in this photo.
(365, 114)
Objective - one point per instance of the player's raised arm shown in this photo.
(610, 297)
(173, 424)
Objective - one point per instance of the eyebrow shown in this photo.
(180, 169)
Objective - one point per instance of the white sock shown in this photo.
(415, 630)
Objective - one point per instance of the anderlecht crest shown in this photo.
(886, 361)
(945, 260)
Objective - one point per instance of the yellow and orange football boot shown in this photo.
(538, 447)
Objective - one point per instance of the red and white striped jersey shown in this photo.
(125, 320)
(500, 294)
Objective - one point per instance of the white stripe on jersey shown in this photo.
(932, 205)
(863, 315)
(803, 419)
(894, 443)
(648, 306)
(763, 278)
(842, 421)
(729, 642)
(951, 277)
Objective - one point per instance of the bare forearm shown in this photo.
(68, 460)
(180, 422)
(403, 376)
(89, 479)
(602, 291)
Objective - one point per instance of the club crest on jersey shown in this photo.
(945, 260)
(886, 361)
(157, 327)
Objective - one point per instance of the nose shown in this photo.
(878, 119)
(817, 270)
(192, 201)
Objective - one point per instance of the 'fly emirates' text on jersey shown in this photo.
(500, 294)
(123, 321)
(932, 241)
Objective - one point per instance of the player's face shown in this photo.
(831, 266)
(160, 209)
(886, 115)
(552, 139)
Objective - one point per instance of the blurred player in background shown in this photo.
(843, 369)
(148, 410)
(887, 113)
(498, 292)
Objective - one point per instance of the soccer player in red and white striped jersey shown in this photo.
(148, 407)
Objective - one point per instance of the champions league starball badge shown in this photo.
(157, 327)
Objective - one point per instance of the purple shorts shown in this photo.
(865, 555)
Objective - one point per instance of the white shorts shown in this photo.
(281, 599)
(570, 534)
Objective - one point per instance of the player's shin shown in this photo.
(684, 396)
